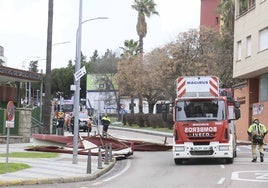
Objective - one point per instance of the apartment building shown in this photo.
(251, 62)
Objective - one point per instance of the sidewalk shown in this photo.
(50, 170)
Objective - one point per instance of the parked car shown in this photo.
(84, 122)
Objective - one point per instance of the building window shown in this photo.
(217, 21)
(248, 46)
(245, 6)
(239, 50)
(251, 3)
(264, 88)
(263, 39)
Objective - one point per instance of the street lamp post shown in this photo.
(37, 97)
(77, 82)
(59, 93)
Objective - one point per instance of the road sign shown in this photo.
(10, 111)
(81, 72)
(72, 87)
(9, 124)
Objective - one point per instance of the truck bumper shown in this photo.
(213, 150)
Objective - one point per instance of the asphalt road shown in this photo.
(158, 170)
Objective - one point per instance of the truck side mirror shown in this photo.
(237, 113)
(237, 104)
(179, 108)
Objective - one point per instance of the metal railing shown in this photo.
(37, 126)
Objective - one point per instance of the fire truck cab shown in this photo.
(204, 118)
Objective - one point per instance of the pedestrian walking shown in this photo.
(60, 124)
(257, 131)
(105, 121)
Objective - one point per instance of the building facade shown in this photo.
(251, 62)
(208, 14)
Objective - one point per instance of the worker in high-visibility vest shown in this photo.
(105, 121)
(257, 131)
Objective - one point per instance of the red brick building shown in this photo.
(208, 14)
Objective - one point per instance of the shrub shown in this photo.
(124, 119)
(149, 120)
(170, 121)
(140, 119)
(130, 119)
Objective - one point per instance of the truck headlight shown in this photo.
(225, 148)
(179, 148)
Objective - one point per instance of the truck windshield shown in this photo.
(205, 109)
(67, 108)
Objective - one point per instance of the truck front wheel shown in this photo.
(178, 161)
(229, 160)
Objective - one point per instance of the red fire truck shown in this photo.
(204, 118)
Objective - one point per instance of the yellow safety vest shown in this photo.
(258, 129)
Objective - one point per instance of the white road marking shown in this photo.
(97, 183)
(260, 176)
(221, 181)
(121, 172)
(222, 166)
(108, 179)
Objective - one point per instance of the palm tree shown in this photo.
(227, 11)
(131, 48)
(145, 8)
(2, 62)
(47, 101)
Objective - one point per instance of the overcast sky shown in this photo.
(23, 30)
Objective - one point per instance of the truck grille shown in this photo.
(209, 152)
(201, 138)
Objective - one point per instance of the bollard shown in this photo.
(110, 152)
(165, 141)
(89, 162)
(88, 132)
(99, 159)
(106, 155)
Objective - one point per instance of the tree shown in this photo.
(33, 66)
(47, 98)
(105, 64)
(145, 8)
(2, 62)
(227, 11)
(130, 48)
(94, 57)
(62, 80)
(130, 51)
(106, 68)
(70, 64)
(157, 82)
(202, 52)
(129, 78)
